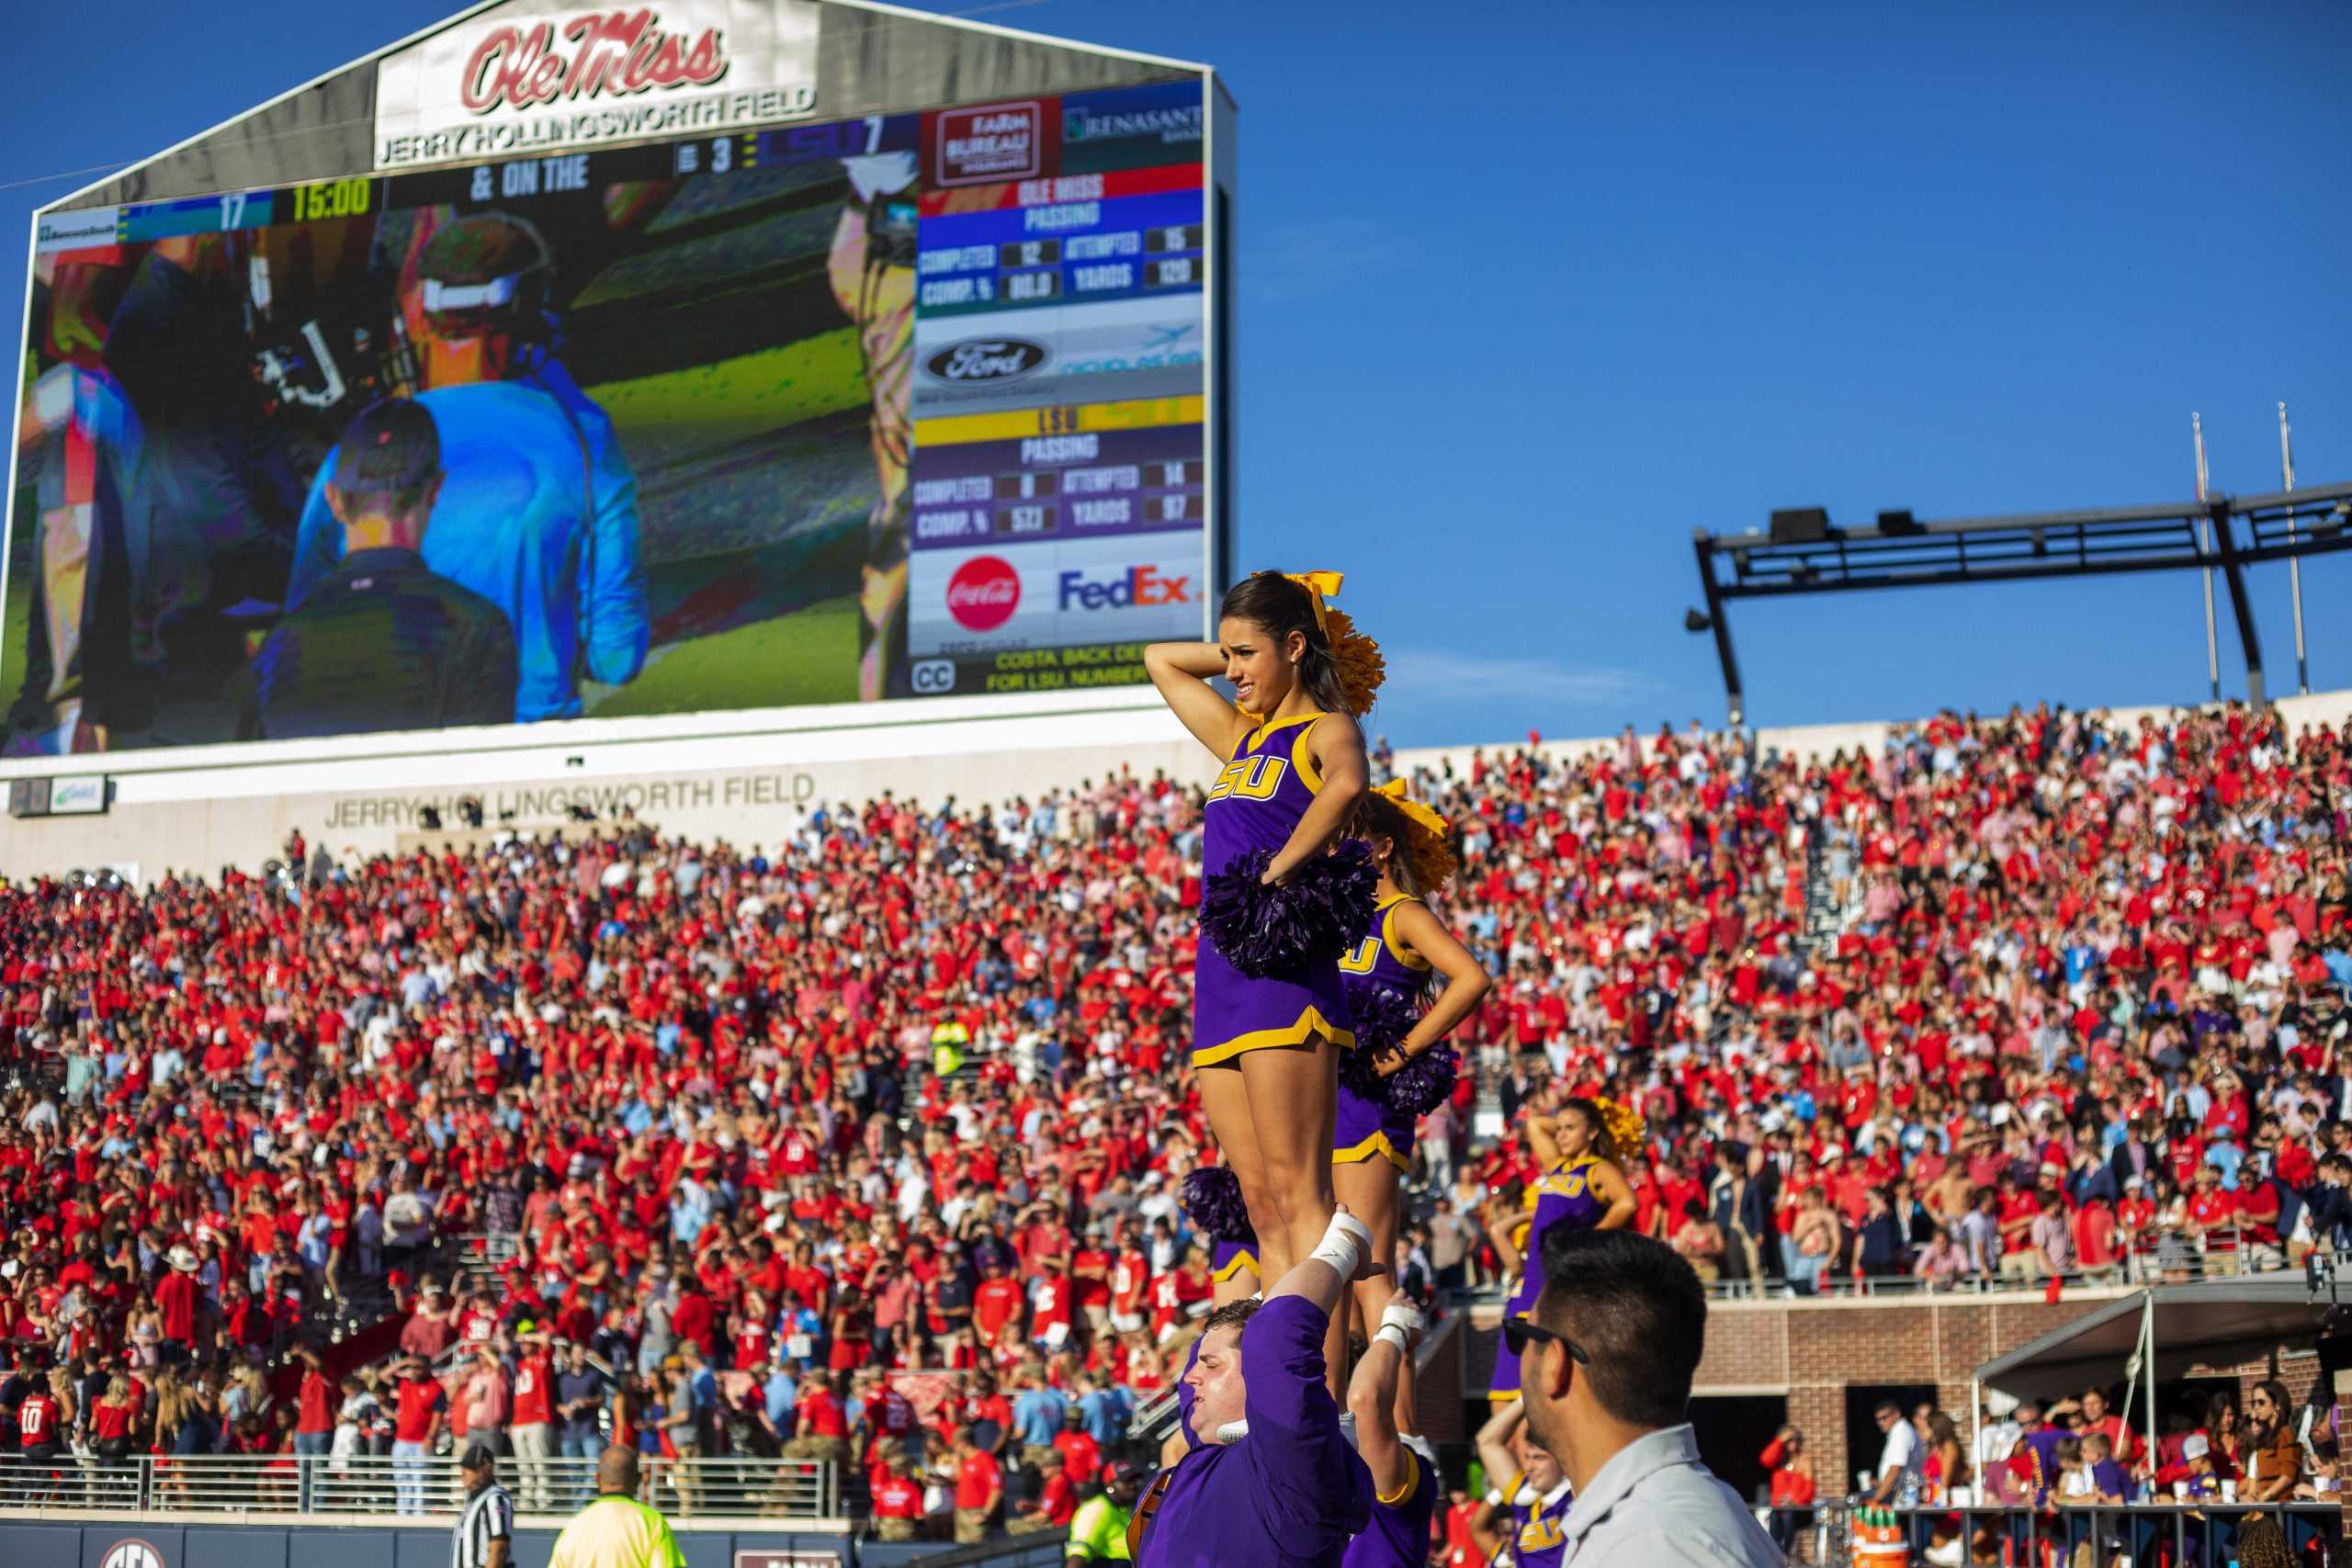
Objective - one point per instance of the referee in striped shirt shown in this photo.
(484, 1536)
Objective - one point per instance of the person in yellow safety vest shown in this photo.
(947, 1042)
(616, 1530)
(1098, 1531)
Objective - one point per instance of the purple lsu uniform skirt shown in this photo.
(1233, 1014)
(1228, 1258)
(1368, 1129)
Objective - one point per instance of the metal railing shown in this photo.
(2156, 1257)
(2203, 1534)
(407, 1485)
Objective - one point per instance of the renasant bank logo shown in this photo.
(600, 54)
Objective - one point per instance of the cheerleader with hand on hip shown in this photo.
(1400, 1069)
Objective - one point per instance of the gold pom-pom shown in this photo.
(1362, 668)
(1628, 1133)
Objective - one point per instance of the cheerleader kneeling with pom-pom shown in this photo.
(1276, 908)
(1401, 1068)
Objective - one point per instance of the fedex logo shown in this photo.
(1137, 585)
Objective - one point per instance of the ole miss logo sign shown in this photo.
(603, 53)
(527, 78)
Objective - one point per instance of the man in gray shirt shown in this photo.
(1606, 1358)
(1451, 1239)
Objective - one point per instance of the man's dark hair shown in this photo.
(1888, 1407)
(1636, 1310)
(1235, 1315)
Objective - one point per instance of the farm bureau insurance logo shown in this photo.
(131, 1554)
(1000, 141)
(983, 593)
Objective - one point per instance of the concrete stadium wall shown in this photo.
(93, 1543)
(722, 776)
(737, 776)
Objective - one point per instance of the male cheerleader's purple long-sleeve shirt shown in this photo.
(1291, 1492)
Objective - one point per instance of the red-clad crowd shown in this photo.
(2041, 993)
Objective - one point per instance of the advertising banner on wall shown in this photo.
(896, 406)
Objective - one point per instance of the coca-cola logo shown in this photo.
(983, 593)
(986, 359)
(599, 55)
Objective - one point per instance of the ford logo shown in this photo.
(986, 359)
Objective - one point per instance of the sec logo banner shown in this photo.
(131, 1554)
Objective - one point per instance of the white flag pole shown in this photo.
(2294, 563)
(2205, 547)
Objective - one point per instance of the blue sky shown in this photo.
(1530, 290)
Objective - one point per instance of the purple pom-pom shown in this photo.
(1211, 1196)
(1277, 929)
(1382, 1016)
(1358, 1079)
(1424, 1083)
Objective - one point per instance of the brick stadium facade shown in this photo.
(1811, 1354)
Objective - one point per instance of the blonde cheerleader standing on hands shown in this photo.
(1398, 1071)
(1269, 1015)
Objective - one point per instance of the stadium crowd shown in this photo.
(2030, 996)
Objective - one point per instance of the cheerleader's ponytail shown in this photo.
(1423, 861)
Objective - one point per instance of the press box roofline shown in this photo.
(105, 191)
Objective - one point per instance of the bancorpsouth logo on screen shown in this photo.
(1137, 585)
(611, 54)
(984, 359)
(983, 593)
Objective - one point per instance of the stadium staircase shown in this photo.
(1823, 918)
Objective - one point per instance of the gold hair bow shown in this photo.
(1420, 815)
(1319, 586)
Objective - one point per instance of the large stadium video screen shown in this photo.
(907, 405)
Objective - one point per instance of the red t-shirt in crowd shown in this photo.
(1058, 1502)
(896, 1497)
(977, 1475)
(37, 1420)
(821, 1415)
(317, 1403)
(420, 1400)
(531, 1381)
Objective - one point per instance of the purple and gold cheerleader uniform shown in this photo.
(1228, 1258)
(1562, 1198)
(1368, 1129)
(1537, 1540)
(1256, 803)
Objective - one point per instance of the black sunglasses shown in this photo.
(1519, 1333)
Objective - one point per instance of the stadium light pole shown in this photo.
(2294, 563)
(1713, 619)
(2213, 649)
